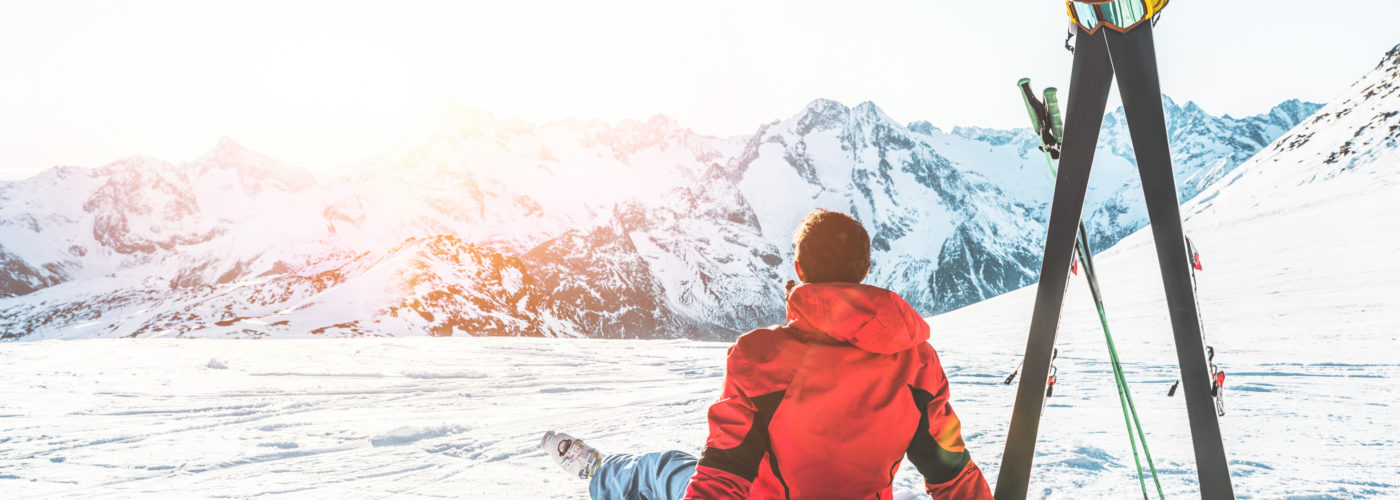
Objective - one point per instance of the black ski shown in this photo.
(1217, 376)
(1135, 60)
(1090, 79)
(1098, 56)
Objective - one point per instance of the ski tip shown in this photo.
(1023, 81)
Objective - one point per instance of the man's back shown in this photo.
(829, 404)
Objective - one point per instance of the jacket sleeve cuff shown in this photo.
(710, 483)
(969, 484)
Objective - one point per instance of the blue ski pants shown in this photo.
(653, 476)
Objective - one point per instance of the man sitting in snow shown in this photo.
(825, 406)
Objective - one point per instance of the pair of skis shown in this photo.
(1099, 56)
(1045, 118)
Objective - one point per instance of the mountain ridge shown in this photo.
(691, 239)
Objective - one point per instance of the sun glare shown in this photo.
(323, 85)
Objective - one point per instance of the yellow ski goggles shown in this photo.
(1121, 15)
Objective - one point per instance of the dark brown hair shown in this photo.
(831, 247)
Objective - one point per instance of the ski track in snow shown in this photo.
(417, 417)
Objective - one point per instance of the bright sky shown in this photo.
(325, 84)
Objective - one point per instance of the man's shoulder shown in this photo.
(764, 349)
(760, 341)
(764, 360)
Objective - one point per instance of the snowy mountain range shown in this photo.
(493, 226)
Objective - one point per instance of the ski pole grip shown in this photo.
(1028, 96)
(1057, 123)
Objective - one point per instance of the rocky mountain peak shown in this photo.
(994, 137)
(1169, 103)
(455, 113)
(922, 127)
(453, 120)
(253, 169)
(870, 110)
(822, 113)
(226, 152)
(656, 128)
(663, 122)
(1293, 110)
(227, 143)
(1391, 59)
(822, 105)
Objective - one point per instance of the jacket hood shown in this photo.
(870, 318)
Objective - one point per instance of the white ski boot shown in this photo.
(571, 454)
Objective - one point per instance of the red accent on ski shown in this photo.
(1220, 379)
(1196, 261)
(1074, 267)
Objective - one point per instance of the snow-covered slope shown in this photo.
(204, 222)
(512, 185)
(236, 244)
(633, 230)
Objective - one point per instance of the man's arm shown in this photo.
(937, 449)
(729, 462)
(738, 440)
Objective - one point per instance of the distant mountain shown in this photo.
(940, 237)
(574, 228)
(1205, 149)
(1349, 149)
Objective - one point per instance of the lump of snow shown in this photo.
(448, 374)
(409, 434)
(215, 364)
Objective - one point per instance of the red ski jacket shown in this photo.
(828, 405)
